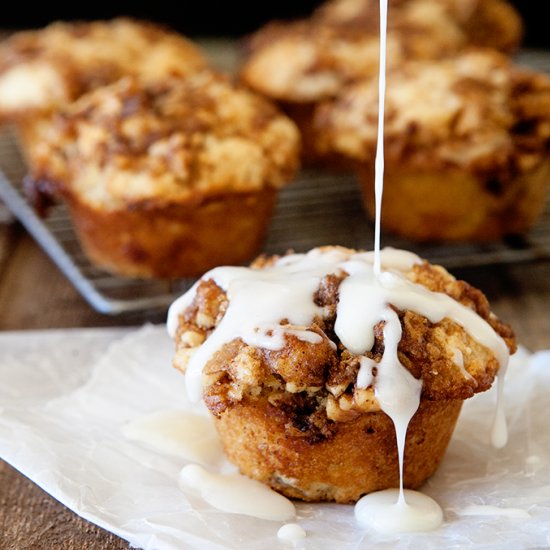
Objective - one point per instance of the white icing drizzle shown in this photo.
(499, 430)
(291, 532)
(260, 299)
(379, 160)
(365, 376)
(398, 395)
(387, 512)
(276, 337)
(193, 437)
(236, 494)
(184, 434)
(458, 360)
(397, 391)
(391, 258)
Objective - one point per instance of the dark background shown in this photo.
(203, 18)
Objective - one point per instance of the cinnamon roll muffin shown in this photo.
(467, 146)
(310, 363)
(166, 179)
(300, 63)
(493, 24)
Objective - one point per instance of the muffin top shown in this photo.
(44, 68)
(477, 110)
(488, 23)
(324, 328)
(311, 59)
(177, 139)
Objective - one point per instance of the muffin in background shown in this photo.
(297, 358)
(467, 146)
(169, 178)
(300, 63)
(43, 69)
(493, 24)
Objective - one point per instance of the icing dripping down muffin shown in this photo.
(307, 361)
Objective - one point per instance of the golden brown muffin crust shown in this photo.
(295, 417)
(307, 458)
(478, 111)
(64, 60)
(179, 139)
(312, 58)
(321, 377)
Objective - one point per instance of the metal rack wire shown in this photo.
(316, 209)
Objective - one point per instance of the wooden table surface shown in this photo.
(34, 294)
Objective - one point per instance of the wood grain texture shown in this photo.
(34, 294)
(31, 519)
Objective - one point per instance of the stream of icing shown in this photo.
(412, 511)
(379, 509)
(379, 160)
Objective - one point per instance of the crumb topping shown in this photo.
(477, 110)
(64, 60)
(492, 23)
(171, 140)
(311, 59)
(322, 375)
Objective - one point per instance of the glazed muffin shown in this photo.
(43, 69)
(466, 146)
(166, 179)
(300, 63)
(306, 361)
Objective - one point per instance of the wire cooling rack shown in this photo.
(316, 209)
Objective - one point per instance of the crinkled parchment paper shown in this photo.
(65, 396)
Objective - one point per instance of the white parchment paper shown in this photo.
(66, 395)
